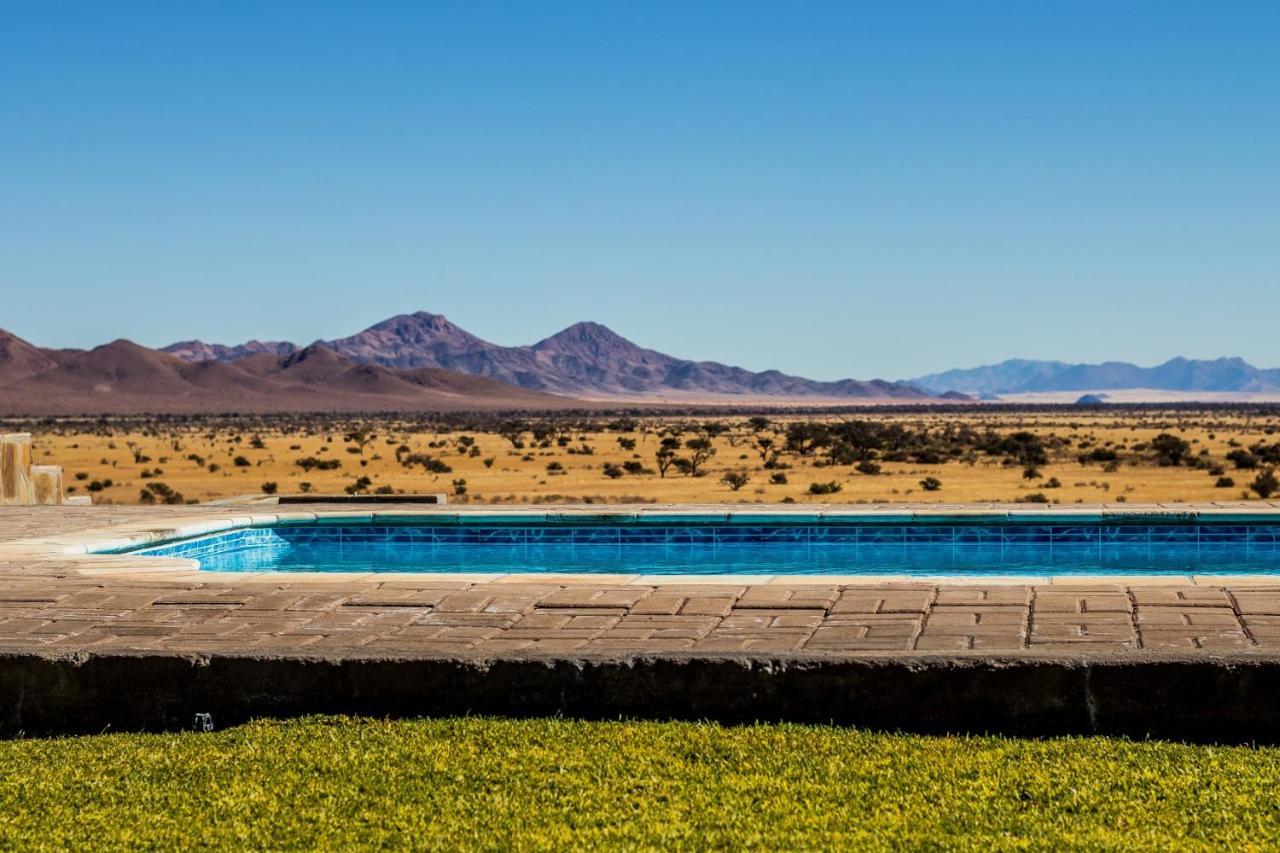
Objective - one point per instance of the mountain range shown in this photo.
(122, 377)
(409, 362)
(1023, 376)
(586, 360)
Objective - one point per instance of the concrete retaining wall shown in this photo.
(1202, 700)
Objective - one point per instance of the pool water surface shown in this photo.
(693, 548)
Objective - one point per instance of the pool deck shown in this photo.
(92, 640)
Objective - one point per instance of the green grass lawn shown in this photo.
(338, 783)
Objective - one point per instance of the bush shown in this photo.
(778, 478)
(1035, 498)
(358, 486)
(1243, 460)
(318, 464)
(824, 488)
(612, 471)
(270, 488)
(241, 462)
(1225, 483)
(735, 479)
(1265, 484)
(1053, 483)
(1169, 450)
(931, 484)
(160, 493)
(867, 467)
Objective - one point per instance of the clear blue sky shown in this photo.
(832, 189)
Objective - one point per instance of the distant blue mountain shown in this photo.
(1018, 376)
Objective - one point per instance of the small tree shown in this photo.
(513, 431)
(735, 479)
(360, 438)
(702, 451)
(666, 454)
(766, 446)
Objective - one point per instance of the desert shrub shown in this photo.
(633, 466)
(160, 493)
(311, 462)
(626, 443)
(1020, 448)
(270, 487)
(360, 485)
(384, 490)
(241, 462)
(1035, 498)
(429, 463)
(488, 463)
(1031, 473)
(1053, 483)
(931, 484)
(867, 467)
(1098, 454)
(612, 471)
(459, 487)
(554, 467)
(1242, 459)
(1169, 450)
(1225, 483)
(735, 479)
(778, 478)
(829, 488)
(1265, 484)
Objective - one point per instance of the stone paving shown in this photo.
(71, 604)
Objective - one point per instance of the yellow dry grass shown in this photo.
(200, 461)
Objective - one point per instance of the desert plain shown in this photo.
(1060, 455)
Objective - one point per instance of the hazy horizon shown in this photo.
(830, 190)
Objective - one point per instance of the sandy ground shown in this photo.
(208, 462)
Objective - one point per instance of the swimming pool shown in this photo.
(754, 544)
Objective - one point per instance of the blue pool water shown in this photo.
(770, 549)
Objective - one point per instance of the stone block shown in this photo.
(46, 483)
(15, 470)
